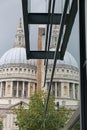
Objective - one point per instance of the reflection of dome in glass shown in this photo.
(16, 56)
(68, 60)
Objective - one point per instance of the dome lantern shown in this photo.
(55, 35)
(19, 38)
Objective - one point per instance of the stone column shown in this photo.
(17, 89)
(28, 89)
(55, 89)
(68, 89)
(1, 89)
(62, 89)
(11, 90)
(23, 89)
(73, 90)
(6, 89)
(78, 92)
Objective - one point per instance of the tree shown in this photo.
(1, 124)
(33, 117)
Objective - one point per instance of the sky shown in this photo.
(10, 13)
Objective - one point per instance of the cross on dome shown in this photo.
(20, 23)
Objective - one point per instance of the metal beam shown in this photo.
(47, 28)
(73, 120)
(49, 40)
(42, 18)
(83, 65)
(42, 55)
(70, 22)
(62, 23)
(26, 29)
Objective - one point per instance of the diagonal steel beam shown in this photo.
(47, 29)
(49, 40)
(83, 64)
(69, 25)
(26, 29)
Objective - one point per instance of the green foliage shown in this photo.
(76, 126)
(1, 125)
(33, 117)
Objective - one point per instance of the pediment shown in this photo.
(24, 104)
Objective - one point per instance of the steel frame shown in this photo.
(38, 18)
(83, 65)
(52, 18)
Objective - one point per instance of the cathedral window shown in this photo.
(16, 69)
(11, 69)
(67, 71)
(76, 91)
(14, 91)
(20, 89)
(71, 71)
(20, 69)
(71, 90)
(26, 89)
(28, 70)
(24, 69)
(65, 91)
(53, 88)
(3, 88)
(58, 89)
(62, 70)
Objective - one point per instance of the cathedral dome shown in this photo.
(17, 55)
(68, 60)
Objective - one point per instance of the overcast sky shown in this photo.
(11, 11)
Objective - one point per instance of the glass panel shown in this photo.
(36, 6)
